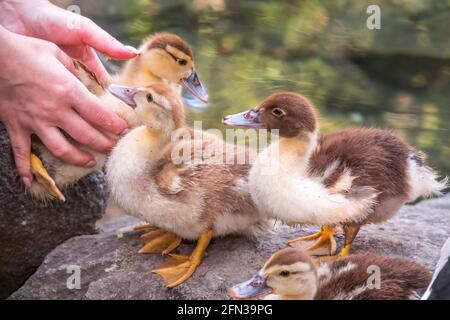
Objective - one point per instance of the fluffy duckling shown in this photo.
(291, 274)
(187, 199)
(165, 57)
(349, 178)
(50, 173)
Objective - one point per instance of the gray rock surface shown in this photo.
(29, 230)
(112, 269)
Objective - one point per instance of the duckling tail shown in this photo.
(423, 180)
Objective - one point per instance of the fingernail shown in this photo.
(133, 50)
(26, 181)
(91, 164)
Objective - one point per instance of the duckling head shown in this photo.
(167, 56)
(290, 113)
(289, 273)
(156, 106)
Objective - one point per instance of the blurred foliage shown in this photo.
(396, 77)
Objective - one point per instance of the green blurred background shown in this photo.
(397, 77)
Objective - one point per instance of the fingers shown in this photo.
(58, 145)
(21, 145)
(66, 61)
(93, 63)
(91, 109)
(90, 59)
(85, 134)
(97, 38)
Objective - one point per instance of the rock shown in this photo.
(29, 230)
(112, 269)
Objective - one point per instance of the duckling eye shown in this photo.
(277, 112)
(149, 97)
(284, 273)
(181, 62)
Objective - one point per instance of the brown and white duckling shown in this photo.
(184, 199)
(164, 58)
(349, 178)
(291, 274)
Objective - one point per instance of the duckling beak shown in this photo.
(195, 86)
(126, 94)
(246, 119)
(254, 288)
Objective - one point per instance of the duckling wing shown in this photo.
(203, 164)
(360, 158)
(220, 189)
(88, 78)
(355, 278)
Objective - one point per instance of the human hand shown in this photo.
(40, 95)
(76, 35)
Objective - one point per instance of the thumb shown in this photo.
(97, 38)
(21, 145)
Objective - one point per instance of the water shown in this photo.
(397, 77)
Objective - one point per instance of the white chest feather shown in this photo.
(281, 188)
(133, 188)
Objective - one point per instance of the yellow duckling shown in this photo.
(186, 199)
(164, 57)
(348, 178)
(290, 274)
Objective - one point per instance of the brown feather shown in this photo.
(400, 278)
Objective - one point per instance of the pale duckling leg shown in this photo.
(43, 178)
(325, 239)
(180, 267)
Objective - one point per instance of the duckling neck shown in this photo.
(159, 137)
(296, 152)
(133, 74)
(140, 146)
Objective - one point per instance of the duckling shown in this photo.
(164, 57)
(56, 174)
(349, 178)
(290, 274)
(189, 199)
